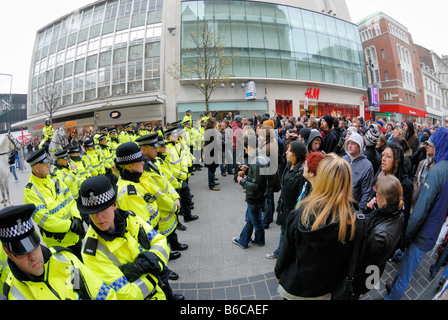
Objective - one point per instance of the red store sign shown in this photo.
(312, 93)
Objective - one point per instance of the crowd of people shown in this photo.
(108, 209)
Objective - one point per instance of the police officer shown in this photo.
(114, 142)
(48, 134)
(92, 159)
(106, 158)
(149, 145)
(66, 173)
(81, 167)
(187, 118)
(121, 248)
(126, 134)
(41, 273)
(56, 214)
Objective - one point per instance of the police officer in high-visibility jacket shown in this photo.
(168, 198)
(106, 158)
(165, 165)
(47, 131)
(126, 135)
(179, 171)
(92, 159)
(38, 272)
(65, 173)
(132, 193)
(56, 214)
(114, 142)
(121, 248)
(81, 166)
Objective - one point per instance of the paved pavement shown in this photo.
(213, 268)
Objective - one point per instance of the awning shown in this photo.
(398, 108)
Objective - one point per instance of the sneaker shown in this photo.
(252, 241)
(16, 181)
(214, 189)
(235, 241)
(271, 256)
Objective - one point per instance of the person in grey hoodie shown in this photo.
(314, 141)
(362, 170)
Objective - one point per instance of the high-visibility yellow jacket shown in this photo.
(165, 197)
(196, 138)
(4, 268)
(81, 168)
(173, 157)
(114, 143)
(139, 198)
(94, 165)
(69, 178)
(105, 156)
(48, 132)
(55, 209)
(105, 257)
(63, 272)
(168, 171)
(124, 137)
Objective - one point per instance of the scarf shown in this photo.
(131, 176)
(425, 168)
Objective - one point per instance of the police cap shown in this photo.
(73, 149)
(88, 143)
(127, 153)
(96, 194)
(39, 156)
(17, 231)
(148, 140)
(62, 154)
(161, 140)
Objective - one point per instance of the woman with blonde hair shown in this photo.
(315, 252)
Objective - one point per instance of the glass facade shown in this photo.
(107, 49)
(276, 41)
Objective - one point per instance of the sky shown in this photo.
(20, 20)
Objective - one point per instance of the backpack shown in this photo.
(371, 233)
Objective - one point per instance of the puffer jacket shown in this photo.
(362, 173)
(255, 182)
(431, 209)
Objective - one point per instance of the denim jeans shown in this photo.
(211, 176)
(412, 258)
(268, 216)
(225, 168)
(13, 170)
(254, 224)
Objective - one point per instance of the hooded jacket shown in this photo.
(362, 171)
(313, 135)
(431, 209)
(255, 182)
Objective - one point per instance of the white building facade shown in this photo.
(108, 61)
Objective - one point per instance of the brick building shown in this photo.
(392, 66)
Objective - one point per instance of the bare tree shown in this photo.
(208, 66)
(49, 96)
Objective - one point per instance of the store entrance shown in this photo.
(283, 107)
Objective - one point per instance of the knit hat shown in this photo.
(328, 119)
(305, 133)
(372, 135)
